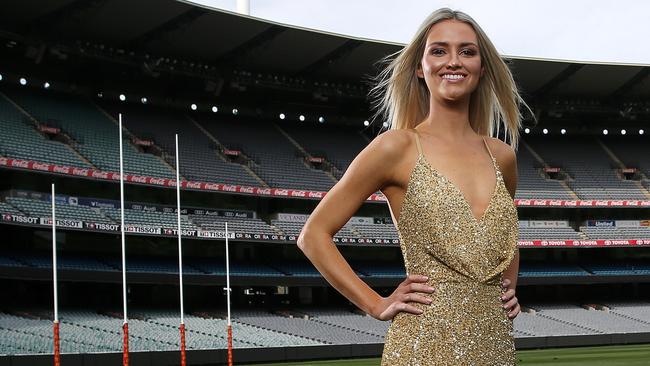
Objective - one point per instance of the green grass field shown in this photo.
(629, 355)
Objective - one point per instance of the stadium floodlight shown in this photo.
(215, 109)
(23, 81)
(143, 100)
(545, 131)
(526, 130)
(193, 106)
(0, 77)
(100, 95)
(366, 123)
(623, 132)
(122, 97)
(321, 119)
(641, 132)
(301, 118)
(235, 111)
(563, 131)
(385, 124)
(605, 132)
(46, 85)
(282, 116)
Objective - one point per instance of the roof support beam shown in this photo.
(61, 15)
(557, 80)
(336, 54)
(171, 25)
(631, 83)
(244, 49)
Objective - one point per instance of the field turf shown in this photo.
(628, 355)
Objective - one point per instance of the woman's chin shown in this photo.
(454, 97)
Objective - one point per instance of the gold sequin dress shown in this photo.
(464, 258)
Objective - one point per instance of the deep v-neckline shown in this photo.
(455, 187)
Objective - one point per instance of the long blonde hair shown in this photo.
(403, 98)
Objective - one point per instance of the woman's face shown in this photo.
(451, 63)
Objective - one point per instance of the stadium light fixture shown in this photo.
(301, 118)
(545, 131)
(282, 116)
(46, 85)
(215, 109)
(605, 132)
(193, 106)
(23, 81)
(321, 119)
(122, 97)
(235, 111)
(385, 124)
(526, 130)
(641, 132)
(563, 131)
(143, 100)
(366, 123)
(623, 132)
(0, 77)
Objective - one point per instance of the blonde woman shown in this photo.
(450, 189)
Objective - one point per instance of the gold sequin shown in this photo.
(464, 258)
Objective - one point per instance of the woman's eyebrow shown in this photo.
(446, 44)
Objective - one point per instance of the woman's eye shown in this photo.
(437, 51)
(468, 52)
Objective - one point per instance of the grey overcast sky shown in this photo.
(582, 30)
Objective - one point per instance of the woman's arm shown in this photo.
(509, 169)
(376, 167)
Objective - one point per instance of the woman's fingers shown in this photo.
(417, 298)
(407, 308)
(511, 303)
(418, 287)
(514, 312)
(506, 282)
(508, 295)
(415, 279)
(399, 307)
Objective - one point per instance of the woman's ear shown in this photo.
(418, 72)
(482, 71)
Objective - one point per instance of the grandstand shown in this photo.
(582, 197)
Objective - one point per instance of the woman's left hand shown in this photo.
(510, 301)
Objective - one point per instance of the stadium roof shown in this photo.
(169, 28)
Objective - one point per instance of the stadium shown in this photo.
(263, 133)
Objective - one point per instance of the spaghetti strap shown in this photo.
(417, 142)
(488, 148)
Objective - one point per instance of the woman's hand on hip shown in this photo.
(510, 301)
(409, 291)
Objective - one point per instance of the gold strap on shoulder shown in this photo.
(488, 148)
(417, 141)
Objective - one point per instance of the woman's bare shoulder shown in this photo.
(507, 160)
(503, 152)
(393, 143)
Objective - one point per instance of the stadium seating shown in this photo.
(338, 145)
(21, 140)
(593, 174)
(38, 208)
(276, 160)
(95, 135)
(200, 159)
(85, 331)
(631, 151)
(616, 232)
(532, 182)
(275, 152)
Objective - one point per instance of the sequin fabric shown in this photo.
(464, 258)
